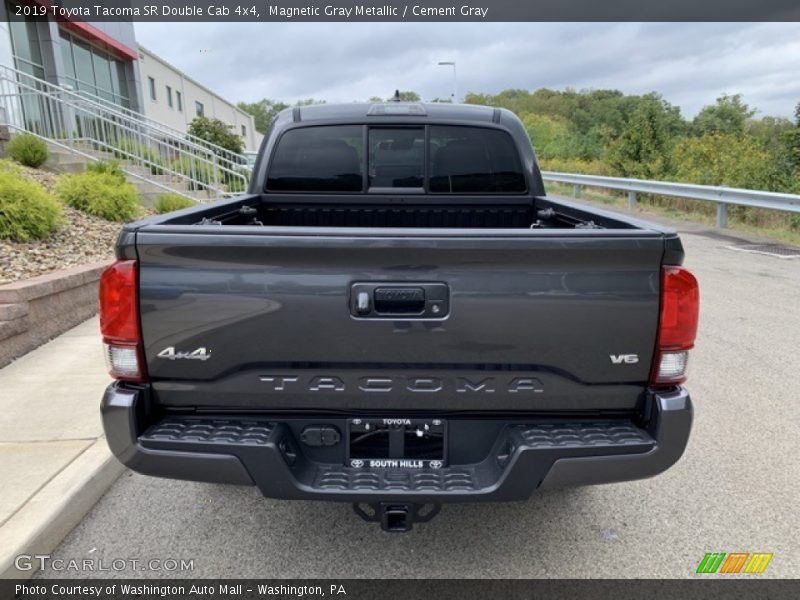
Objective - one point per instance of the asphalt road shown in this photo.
(735, 490)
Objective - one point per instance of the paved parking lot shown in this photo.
(735, 490)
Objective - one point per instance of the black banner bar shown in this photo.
(737, 587)
(414, 10)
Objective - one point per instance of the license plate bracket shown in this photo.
(396, 443)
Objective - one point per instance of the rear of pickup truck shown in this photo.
(397, 348)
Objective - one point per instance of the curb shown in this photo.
(46, 518)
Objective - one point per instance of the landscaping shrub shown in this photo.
(8, 166)
(99, 194)
(28, 150)
(168, 202)
(107, 167)
(27, 211)
(575, 165)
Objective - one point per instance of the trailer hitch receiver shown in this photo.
(397, 517)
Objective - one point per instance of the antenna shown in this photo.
(396, 97)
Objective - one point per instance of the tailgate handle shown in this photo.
(399, 300)
(407, 300)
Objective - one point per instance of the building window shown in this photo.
(91, 70)
(28, 59)
(84, 71)
(179, 99)
(25, 44)
(244, 131)
(152, 83)
(199, 109)
(169, 96)
(102, 76)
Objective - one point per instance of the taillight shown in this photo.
(119, 321)
(677, 326)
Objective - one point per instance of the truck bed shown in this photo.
(501, 212)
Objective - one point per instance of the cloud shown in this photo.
(689, 63)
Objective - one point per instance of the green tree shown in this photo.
(773, 134)
(309, 102)
(728, 115)
(792, 143)
(724, 159)
(643, 149)
(596, 117)
(407, 96)
(770, 132)
(264, 112)
(476, 98)
(216, 132)
(552, 137)
(593, 144)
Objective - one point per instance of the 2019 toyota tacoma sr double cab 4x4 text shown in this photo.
(396, 315)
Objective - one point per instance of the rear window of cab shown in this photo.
(439, 159)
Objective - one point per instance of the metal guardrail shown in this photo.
(88, 128)
(722, 196)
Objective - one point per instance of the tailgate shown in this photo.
(537, 321)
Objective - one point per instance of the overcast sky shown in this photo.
(689, 64)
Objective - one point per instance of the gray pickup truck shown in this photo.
(397, 316)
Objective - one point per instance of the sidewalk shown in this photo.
(54, 461)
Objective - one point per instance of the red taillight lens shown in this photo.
(680, 306)
(680, 303)
(119, 321)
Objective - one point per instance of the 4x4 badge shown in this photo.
(170, 353)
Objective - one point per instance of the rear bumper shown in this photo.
(524, 457)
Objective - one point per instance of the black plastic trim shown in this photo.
(119, 412)
(523, 458)
(670, 426)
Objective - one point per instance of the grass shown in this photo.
(776, 224)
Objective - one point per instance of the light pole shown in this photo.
(452, 63)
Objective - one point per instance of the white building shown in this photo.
(96, 59)
(103, 60)
(173, 98)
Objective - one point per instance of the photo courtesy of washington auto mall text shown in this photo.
(176, 590)
(399, 299)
